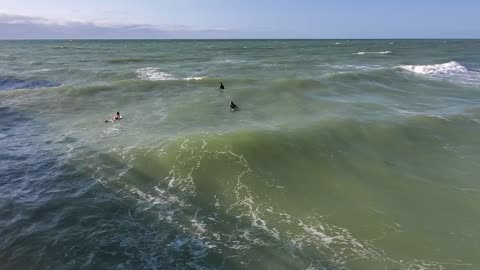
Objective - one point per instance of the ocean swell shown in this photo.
(171, 179)
(11, 83)
(126, 60)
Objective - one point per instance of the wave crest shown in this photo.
(154, 74)
(198, 78)
(438, 69)
(451, 71)
(362, 53)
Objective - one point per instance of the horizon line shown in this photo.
(166, 39)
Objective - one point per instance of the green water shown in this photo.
(361, 154)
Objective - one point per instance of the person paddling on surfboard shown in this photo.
(233, 107)
(221, 86)
(115, 118)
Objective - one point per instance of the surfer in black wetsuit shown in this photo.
(221, 86)
(115, 118)
(233, 107)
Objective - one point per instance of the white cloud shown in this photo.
(20, 19)
(14, 26)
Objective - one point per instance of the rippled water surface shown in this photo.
(345, 154)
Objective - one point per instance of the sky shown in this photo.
(152, 19)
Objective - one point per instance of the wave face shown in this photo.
(333, 161)
(232, 197)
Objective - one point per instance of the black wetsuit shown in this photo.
(233, 107)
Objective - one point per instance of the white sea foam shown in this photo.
(451, 71)
(195, 78)
(256, 219)
(438, 69)
(354, 67)
(229, 61)
(154, 74)
(42, 70)
(362, 53)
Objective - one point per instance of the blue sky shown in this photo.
(239, 19)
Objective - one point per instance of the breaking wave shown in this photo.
(156, 74)
(362, 53)
(451, 71)
(231, 212)
(438, 69)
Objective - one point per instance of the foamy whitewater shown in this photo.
(449, 71)
(362, 53)
(438, 69)
(344, 154)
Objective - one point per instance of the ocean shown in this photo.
(345, 154)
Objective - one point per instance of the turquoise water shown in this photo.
(345, 154)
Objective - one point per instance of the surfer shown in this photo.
(115, 118)
(221, 86)
(233, 107)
